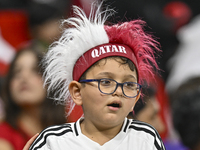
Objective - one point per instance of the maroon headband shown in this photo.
(99, 52)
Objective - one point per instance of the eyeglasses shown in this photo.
(109, 86)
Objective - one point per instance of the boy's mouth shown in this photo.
(115, 105)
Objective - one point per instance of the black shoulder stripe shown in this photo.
(162, 147)
(50, 129)
(126, 126)
(49, 134)
(75, 129)
(142, 129)
(145, 124)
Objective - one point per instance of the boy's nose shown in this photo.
(118, 90)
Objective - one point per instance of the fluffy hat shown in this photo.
(86, 38)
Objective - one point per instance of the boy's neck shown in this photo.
(99, 134)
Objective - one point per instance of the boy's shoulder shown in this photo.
(52, 133)
(69, 136)
(139, 126)
(58, 130)
(143, 131)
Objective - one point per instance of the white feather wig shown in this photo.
(83, 34)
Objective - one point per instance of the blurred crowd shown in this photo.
(171, 103)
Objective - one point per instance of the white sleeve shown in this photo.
(40, 143)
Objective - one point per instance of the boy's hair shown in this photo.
(124, 61)
(69, 57)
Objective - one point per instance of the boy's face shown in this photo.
(97, 106)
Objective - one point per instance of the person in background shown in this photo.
(44, 20)
(147, 109)
(186, 112)
(28, 20)
(27, 108)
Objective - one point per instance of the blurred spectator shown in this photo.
(44, 20)
(154, 109)
(186, 112)
(153, 105)
(27, 109)
(185, 62)
(22, 20)
(147, 109)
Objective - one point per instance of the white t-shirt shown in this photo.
(134, 135)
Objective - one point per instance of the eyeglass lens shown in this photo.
(109, 86)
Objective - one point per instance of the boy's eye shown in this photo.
(105, 82)
(130, 85)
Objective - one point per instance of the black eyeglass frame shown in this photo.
(118, 84)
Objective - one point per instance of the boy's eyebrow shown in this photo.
(106, 73)
(130, 76)
(111, 74)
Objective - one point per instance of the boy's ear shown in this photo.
(137, 98)
(74, 89)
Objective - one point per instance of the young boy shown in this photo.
(100, 67)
